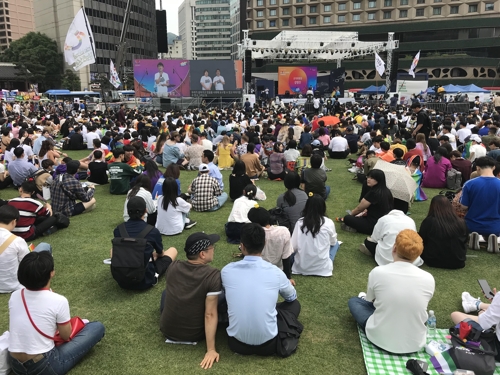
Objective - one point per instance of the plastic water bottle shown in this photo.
(431, 321)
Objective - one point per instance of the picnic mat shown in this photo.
(380, 362)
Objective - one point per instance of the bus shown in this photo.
(62, 95)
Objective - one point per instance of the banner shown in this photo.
(113, 75)
(414, 64)
(379, 65)
(79, 45)
(297, 79)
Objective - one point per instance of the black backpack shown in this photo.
(127, 262)
(280, 217)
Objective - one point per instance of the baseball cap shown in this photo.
(316, 142)
(199, 241)
(475, 137)
(349, 128)
(136, 205)
(203, 167)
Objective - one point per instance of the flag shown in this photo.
(79, 45)
(379, 64)
(113, 75)
(414, 64)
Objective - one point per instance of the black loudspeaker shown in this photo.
(248, 66)
(161, 31)
(259, 63)
(165, 104)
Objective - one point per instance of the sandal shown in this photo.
(339, 219)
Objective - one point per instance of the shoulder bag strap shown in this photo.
(145, 231)
(7, 243)
(31, 320)
(123, 230)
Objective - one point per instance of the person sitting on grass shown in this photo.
(152, 171)
(436, 169)
(36, 218)
(338, 148)
(252, 286)
(239, 213)
(314, 240)
(277, 163)
(252, 163)
(98, 168)
(238, 179)
(278, 249)
(445, 236)
(189, 304)
(375, 202)
(141, 188)
(173, 171)
(213, 171)
(120, 173)
(314, 178)
(14, 249)
(399, 284)
(385, 153)
(194, 153)
(32, 350)
(398, 157)
(206, 193)
(293, 201)
(173, 211)
(136, 209)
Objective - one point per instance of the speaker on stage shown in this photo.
(248, 66)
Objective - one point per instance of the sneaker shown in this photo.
(493, 244)
(107, 261)
(49, 231)
(189, 224)
(474, 241)
(364, 250)
(347, 228)
(353, 170)
(362, 295)
(469, 303)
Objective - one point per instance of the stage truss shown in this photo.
(314, 46)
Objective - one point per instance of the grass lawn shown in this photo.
(133, 343)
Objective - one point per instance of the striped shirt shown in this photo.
(29, 209)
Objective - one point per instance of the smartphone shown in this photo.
(423, 365)
(486, 288)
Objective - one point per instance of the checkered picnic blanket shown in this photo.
(380, 362)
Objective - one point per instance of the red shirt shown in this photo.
(29, 210)
(415, 151)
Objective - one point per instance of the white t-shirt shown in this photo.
(463, 133)
(9, 261)
(171, 221)
(28, 152)
(207, 81)
(218, 81)
(47, 309)
(478, 150)
(401, 292)
(312, 254)
(338, 144)
(150, 203)
(491, 316)
(90, 138)
(181, 146)
(278, 245)
(239, 213)
(207, 145)
(162, 88)
(385, 232)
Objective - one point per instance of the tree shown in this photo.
(37, 54)
(71, 81)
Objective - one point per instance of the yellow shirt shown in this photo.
(399, 145)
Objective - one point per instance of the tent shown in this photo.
(372, 90)
(472, 88)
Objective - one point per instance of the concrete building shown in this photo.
(175, 50)
(213, 29)
(187, 29)
(16, 20)
(459, 39)
(53, 18)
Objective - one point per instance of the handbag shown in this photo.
(289, 331)
(77, 325)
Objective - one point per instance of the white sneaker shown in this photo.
(364, 250)
(469, 303)
(474, 241)
(353, 170)
(493, 244)
(362, 295)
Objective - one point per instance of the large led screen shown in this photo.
(296, 79)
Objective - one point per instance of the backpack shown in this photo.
(127, 262)
(453, 179)
(280, 217)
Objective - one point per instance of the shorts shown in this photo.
(78, 209)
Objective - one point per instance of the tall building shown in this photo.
(238, 21)
(106, 20)
(175, 50)
(16, 20)
(187, 29)
(459, 39)
(213, 29)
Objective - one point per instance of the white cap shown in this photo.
(476, 138)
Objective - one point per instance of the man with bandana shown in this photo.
(189, 305)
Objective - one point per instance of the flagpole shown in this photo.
(88, 31)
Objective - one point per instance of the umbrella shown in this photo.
(398, 180)
(330, 120)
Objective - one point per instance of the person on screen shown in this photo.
(206, 81)
(219, 81)
(161, 81)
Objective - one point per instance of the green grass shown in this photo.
(133, 343)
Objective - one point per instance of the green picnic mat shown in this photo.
(380, 362)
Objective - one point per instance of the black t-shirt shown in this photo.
(423, 118)
(98, 173)
(314, 180)
(376, 209)
(237, 184)
(76, 142)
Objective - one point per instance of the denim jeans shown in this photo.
(222, 199)
(327, 192)
(62, 358)
(333, 250)
(43, 246)
(361, 310)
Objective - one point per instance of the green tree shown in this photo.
(71, 81)
(37, 58)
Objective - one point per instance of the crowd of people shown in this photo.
(282, 144)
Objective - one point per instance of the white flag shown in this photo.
(414, 64)
(113, 75)
(78, 46)
(379, 64)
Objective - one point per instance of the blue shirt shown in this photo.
(158, 189)
(213, 171)
(482, 197)
(37, 145)
(19, 169)
(252, 286)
